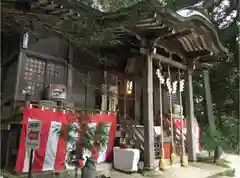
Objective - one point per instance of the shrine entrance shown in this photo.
(163, 49)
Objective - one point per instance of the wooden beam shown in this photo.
(45, 56)
(50, 6)
(58, 11)
(167, 46)
(169, 61)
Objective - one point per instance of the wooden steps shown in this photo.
(132, 135)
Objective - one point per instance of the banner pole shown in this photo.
(30, 164)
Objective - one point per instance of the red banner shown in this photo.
(53, 151)
(196, 135)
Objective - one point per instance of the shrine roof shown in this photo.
(187, 33)
(191, 32)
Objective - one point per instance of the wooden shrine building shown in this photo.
(148, 38)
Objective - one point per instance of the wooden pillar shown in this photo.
(86, 90)
(70, 73)
(113, 90)
(104, 93)
(137, 105)
(190, 117)
(8, 152)
(125, 100)
(208, 99)
(148, 116)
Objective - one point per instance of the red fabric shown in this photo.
(46, 117)
(110, 118)
(123, 147)
(177, 123)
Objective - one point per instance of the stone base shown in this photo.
(103, 170)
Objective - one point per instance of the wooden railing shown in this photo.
(131, 135)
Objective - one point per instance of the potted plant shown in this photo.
(78, 132)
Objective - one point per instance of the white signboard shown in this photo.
(33, 134)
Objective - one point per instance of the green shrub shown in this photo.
(225, 136)
(209, 140)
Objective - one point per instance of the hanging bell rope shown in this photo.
(161, 81)
(169, 86)
(181, 87)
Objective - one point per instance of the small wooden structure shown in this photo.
(148, 37)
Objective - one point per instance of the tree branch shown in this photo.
(210, 3)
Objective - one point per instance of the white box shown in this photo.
(126, 159)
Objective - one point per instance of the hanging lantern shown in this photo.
(129, 87)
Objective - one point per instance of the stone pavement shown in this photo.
(234, 163)
(197, 170)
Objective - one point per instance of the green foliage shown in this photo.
(224, 136)
(71, 137)
(229, 129)
(210, 140)
(88, 32)
(101, 135)
(93, 135)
